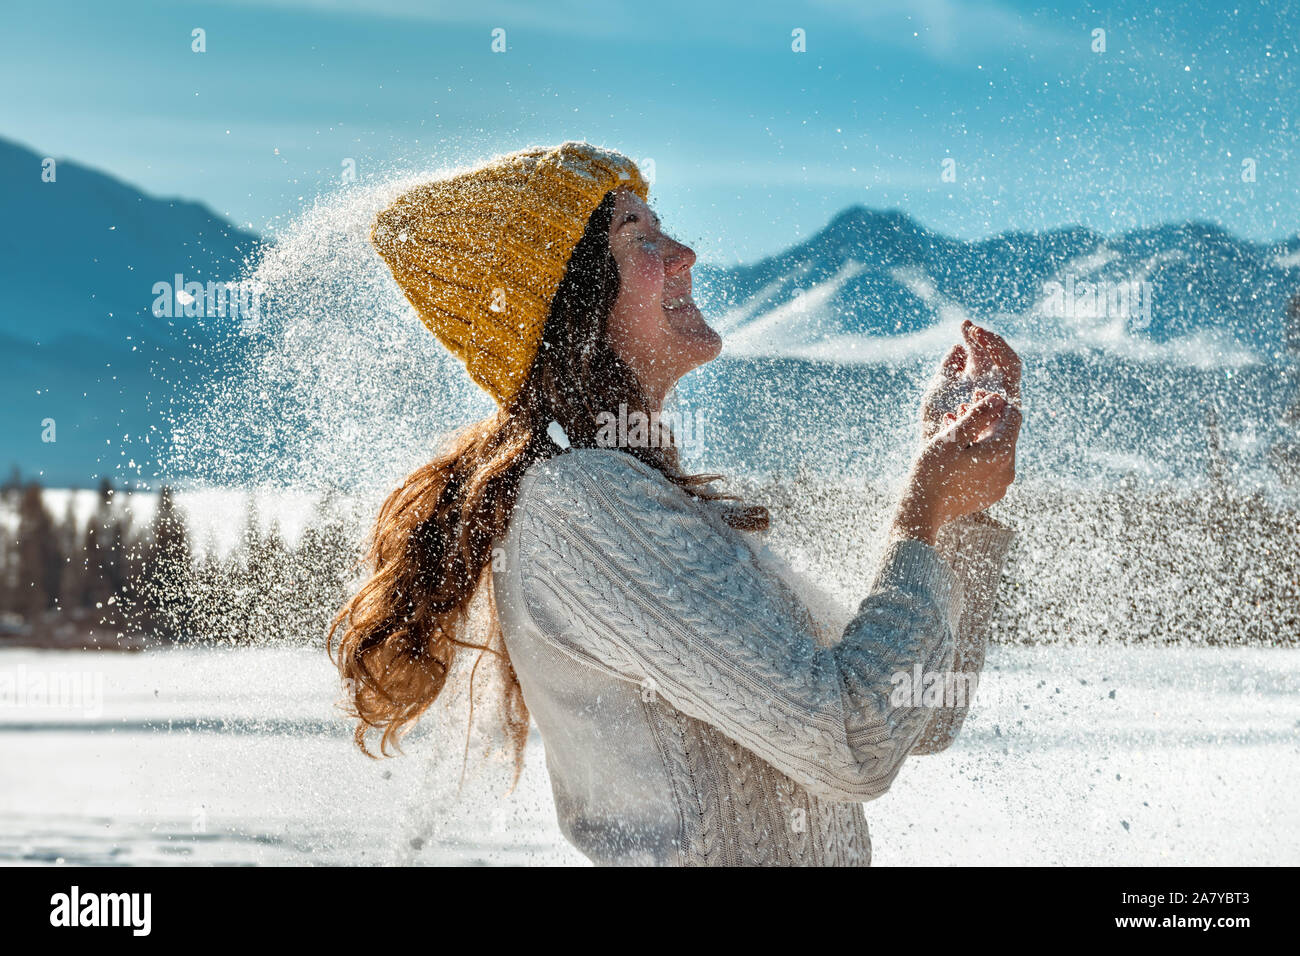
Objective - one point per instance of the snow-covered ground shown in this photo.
(1072, 755)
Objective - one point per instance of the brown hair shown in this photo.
(432, 543)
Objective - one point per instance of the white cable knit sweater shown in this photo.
(688, 712)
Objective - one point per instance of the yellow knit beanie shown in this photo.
(481, 253)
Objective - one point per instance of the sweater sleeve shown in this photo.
(625, 571)
(976, 549)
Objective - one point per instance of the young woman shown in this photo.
(689, 713)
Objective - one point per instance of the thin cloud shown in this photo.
(945, 31)
(565, 16)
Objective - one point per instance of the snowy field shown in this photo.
(1072, 755)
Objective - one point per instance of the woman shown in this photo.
(689, 713)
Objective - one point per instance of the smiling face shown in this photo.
(655, 326)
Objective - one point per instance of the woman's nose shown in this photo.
(681, 256)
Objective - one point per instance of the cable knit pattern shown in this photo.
(746, 812)
(679, 688)
(976, 548)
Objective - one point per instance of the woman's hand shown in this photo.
(963, 469)
(984, 364)
(971, 422)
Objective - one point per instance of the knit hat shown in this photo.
(480, 253)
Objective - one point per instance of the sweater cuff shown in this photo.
(985, 540)
(911, 565)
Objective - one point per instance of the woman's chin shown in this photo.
(699, 346)
(695, 338)
(714, 345)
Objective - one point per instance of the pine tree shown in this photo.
(215, 614)
(72, 581)
(39, 560)
(243, 596)
(9, 588)
(322, 561)
(102, 550)
(166, 576)
(268, 558)
(12, 490)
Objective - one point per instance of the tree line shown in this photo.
(112, 581)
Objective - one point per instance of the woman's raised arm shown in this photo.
(976, 548)
(626, 572)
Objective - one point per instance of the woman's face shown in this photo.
(655, 326)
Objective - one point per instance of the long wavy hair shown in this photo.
(431, 548)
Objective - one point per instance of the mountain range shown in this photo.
(86, 348)
(876, 285)
(87, 363)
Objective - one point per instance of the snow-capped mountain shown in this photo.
(1128, 339)
(1133, 345)
(80, 257)
(876, 286)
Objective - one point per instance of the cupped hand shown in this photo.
(982, 364)
(963, 468)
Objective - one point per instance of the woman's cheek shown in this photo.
(649, 272)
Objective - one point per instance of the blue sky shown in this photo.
(754, 146)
